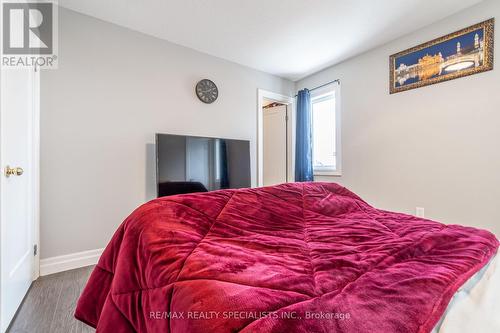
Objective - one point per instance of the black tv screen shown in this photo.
(186, 164)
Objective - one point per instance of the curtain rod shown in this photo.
(324, 85)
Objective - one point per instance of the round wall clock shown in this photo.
(207, 91)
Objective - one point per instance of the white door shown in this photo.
(18, 199)
(275, 145)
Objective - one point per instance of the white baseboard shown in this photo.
(69, 261)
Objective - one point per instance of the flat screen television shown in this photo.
(186, 164)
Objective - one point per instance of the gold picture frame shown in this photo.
(465, 52)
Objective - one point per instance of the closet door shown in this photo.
(18, 187)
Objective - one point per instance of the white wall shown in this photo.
(113, 91)
(436, 147)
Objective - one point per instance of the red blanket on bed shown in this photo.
(304, 257)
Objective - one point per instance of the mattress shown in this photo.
(475, 306)
(300, 257)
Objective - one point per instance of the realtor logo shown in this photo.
(28, 34)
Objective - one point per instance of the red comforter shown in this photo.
(304, 257)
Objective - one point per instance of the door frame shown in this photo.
(290, 126)
(35, 168)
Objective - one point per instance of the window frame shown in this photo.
(320, 94)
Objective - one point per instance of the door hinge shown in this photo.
(35, 249)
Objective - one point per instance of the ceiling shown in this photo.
(291, 39)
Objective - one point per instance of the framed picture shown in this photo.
(465, 52)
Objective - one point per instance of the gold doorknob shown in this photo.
(13, 171)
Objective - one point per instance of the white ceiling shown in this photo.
(288, 38)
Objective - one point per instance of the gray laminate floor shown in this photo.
(50, 304)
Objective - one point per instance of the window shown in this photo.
(217, 159)
(326, 131)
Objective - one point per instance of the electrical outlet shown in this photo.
(420, 212)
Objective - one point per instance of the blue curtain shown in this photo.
(303, 138)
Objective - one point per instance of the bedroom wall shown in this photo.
(113, 90)
(435, 147)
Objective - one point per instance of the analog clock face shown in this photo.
(207, 91)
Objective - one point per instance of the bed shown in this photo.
(299, 257)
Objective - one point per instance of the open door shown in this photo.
(275, 140)
(275, 145)
(18, 187)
